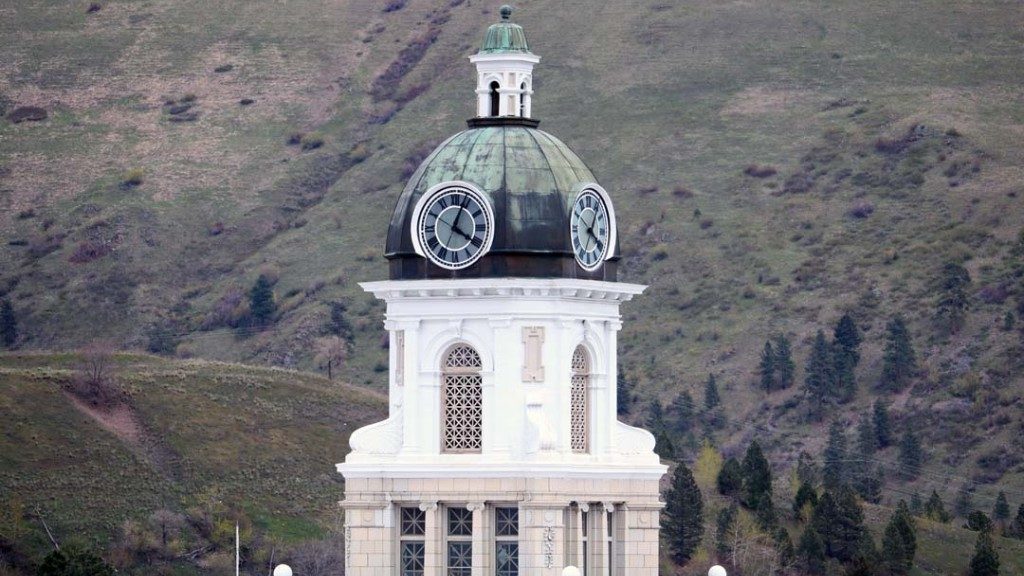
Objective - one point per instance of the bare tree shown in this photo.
(95, 379)
(331, 351)
(319, 558)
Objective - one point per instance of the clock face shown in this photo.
(455, 227)
(590, 229)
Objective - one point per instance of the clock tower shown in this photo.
(502, 454)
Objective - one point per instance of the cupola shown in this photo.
(504, 68)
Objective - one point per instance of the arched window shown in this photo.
(494, 99)
(461, 400)
(579, 405)
(522, 99)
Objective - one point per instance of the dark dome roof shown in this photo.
(530, 178)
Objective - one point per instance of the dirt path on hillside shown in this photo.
(122, 422)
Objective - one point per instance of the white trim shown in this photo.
(487, 288)
(473, 470)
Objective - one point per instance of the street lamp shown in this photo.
(283, 570)
(715, 570)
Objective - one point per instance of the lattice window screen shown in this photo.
(580, 402)
(462, 412)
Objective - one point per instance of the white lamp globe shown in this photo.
(286, 570)
(715, 570)
(571, 571)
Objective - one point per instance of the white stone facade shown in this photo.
(517, 449)
(513, 74)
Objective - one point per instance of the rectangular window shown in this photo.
(506, 545)
(460, 542)
(412, 529)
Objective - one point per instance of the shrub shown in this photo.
(88, 251)
(95, 380)
(224, 68)
(132, 178)
(93, 8)
(706, 223)
(27, 114)
(862, 209)
(311, 141)
(682, 192)
(394, 6)
(246, 101)
(758, 171)
(295, 138)
(645, 190)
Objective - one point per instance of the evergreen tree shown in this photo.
(839, 520)
(883, 426)
(730, 478)
(711, 397)
(910, 456)
(806, 468)
(8, 324)
(767, 367)
(952, 305)
(73, 562)
(899, 542)
(683, 519)
(819, 377)
(867, 438)
(811, 551)
(339, 324)
(783, 544)
(261, 301)
(1001, 511)
(978, 522)
(1016, 528)
(985, 561)
(655, 416)
(834, 470)
(681, 413)
(868, 484)
(663, 445)
(935, 510)
(723, 526)
(847, 338)
(916, 505)
(623, 393)
(963, 504)
(844, 383)
(806, 498)
(899, 363)
(785, 369)
(757, 477)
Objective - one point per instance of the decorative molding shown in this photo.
(549, 547)
(474, 506)
(543, 288)
(533, 354)
(382, 438)
(633, 441)
(428, 506)
(400, 357)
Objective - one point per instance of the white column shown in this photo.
(432, 554)
(479, 539)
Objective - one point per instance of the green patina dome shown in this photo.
(530, 179)
(504, 36)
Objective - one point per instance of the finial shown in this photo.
(506, 12)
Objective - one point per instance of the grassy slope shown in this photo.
(265, 438)
(653, 94)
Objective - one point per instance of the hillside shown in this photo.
(883, 140)
(216, 442)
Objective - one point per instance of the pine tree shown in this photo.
(952, 305)
(767, 367)
(963, 504)
(655, 416)
(867, 439)
(681, 413)
(623, 393)
(663, 445)
(8, 324)
(839, 520)
(883, 426)
(985, 561)
(847, 338)
(899, 542)
(1001, 510)
(916, 505)
(818, 376)
(806, 499)
(72, 561)
(730, 478)
(683, 519)
(910, 456)
(834, 471)
(1016, 528)
(785, 369)
(811, 551)
(844, 379)
(868, 484)
(806, 468)
(783, 544)
(978, 521)
(757, 477)
(899, 363)
(935, 510)
(261, 301)
(711, 397)
(723, 526)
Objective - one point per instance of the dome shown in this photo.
(529, 177)
(504, 36)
